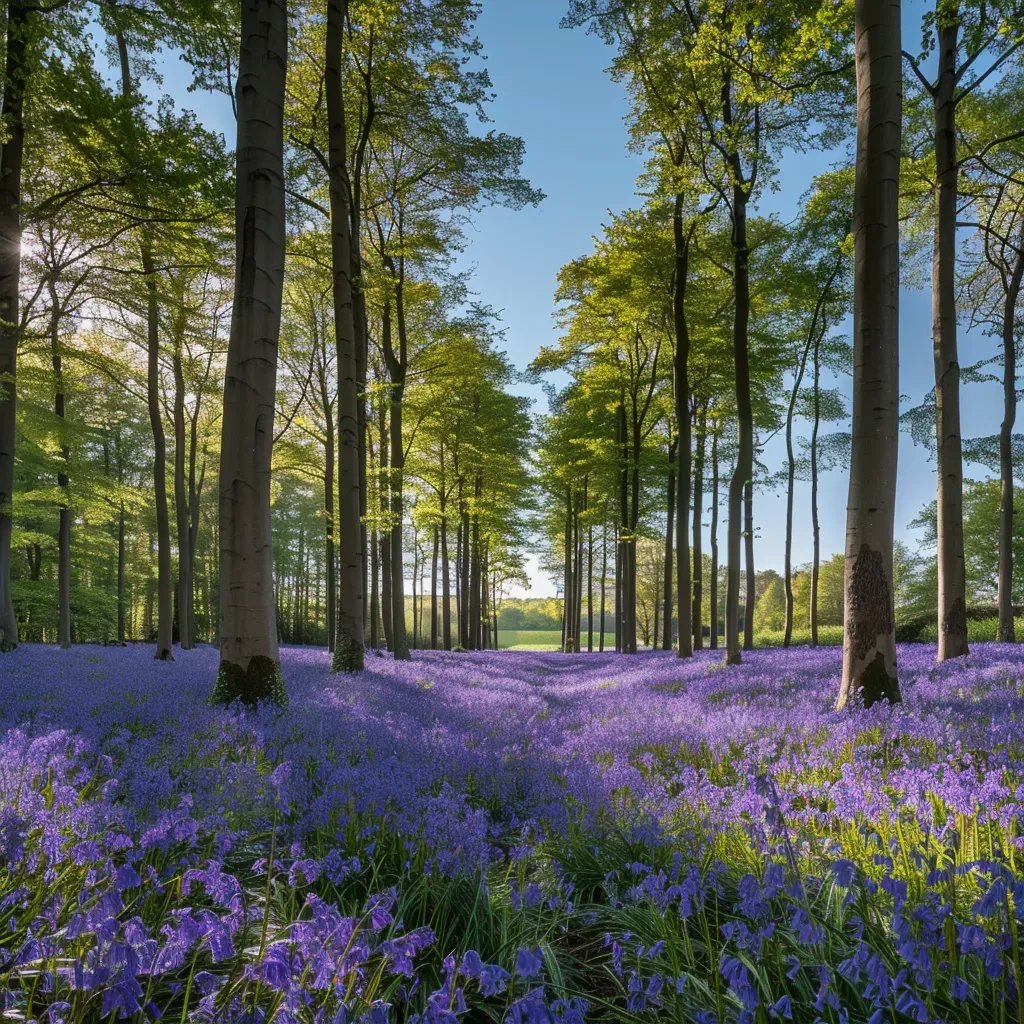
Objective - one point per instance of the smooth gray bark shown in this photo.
(248, 627)
(869, 648)
(351, 598)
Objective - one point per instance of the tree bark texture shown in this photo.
(869, 648)
(1006, 498)
(681, 397)
(250, 664)
(351, 599)
(952, 622)
(11, 154)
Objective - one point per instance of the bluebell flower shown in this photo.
(528, 964)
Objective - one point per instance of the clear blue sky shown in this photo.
(552, 89)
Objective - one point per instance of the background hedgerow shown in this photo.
(521, 837)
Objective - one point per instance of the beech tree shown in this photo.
(972, 42)
(869, 649)
(249, 668)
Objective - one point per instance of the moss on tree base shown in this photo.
(349, 654)
(876, 684)
(260, 681)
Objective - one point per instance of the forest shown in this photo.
(289, 732)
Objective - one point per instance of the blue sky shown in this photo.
(553, 90)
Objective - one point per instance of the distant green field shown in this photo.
(541, 639)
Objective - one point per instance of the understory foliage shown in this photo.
(519, 838)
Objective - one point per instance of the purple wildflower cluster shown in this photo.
(517, 837)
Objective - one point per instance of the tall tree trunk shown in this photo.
(298, 636)
(120, 576)
(386, 606)
(385, 532)
(195, 490)
(604, 583)
(590, 589)
(367, 110)
(147, 614)
(744, 470)
(681, 397)
(618, 594)
(713, 600)
(485, 612)
(790, 484)
(950, 521)
(64, 528)
(751, 575)
(415, 574)
(656, 624)
(473, 635)
(1006, 509)
(634, 524)
(350, 633)
(446, 584)
(458, 576)
(181, 503)
(11, 152)
(815, 524)
(627, 545)
(670, 520)
(698, 545)
(433, 589)
(578, 584)
(464, 582)
(165, 598)
(329, 531)
(869, 649)
(250, 664)
(397, 366)
(374, 592)
(567, 575)
(494, 610)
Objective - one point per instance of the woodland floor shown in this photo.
(656, 837)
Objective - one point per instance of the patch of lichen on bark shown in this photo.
(260, 681)
(349, 654)
(870, 603)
